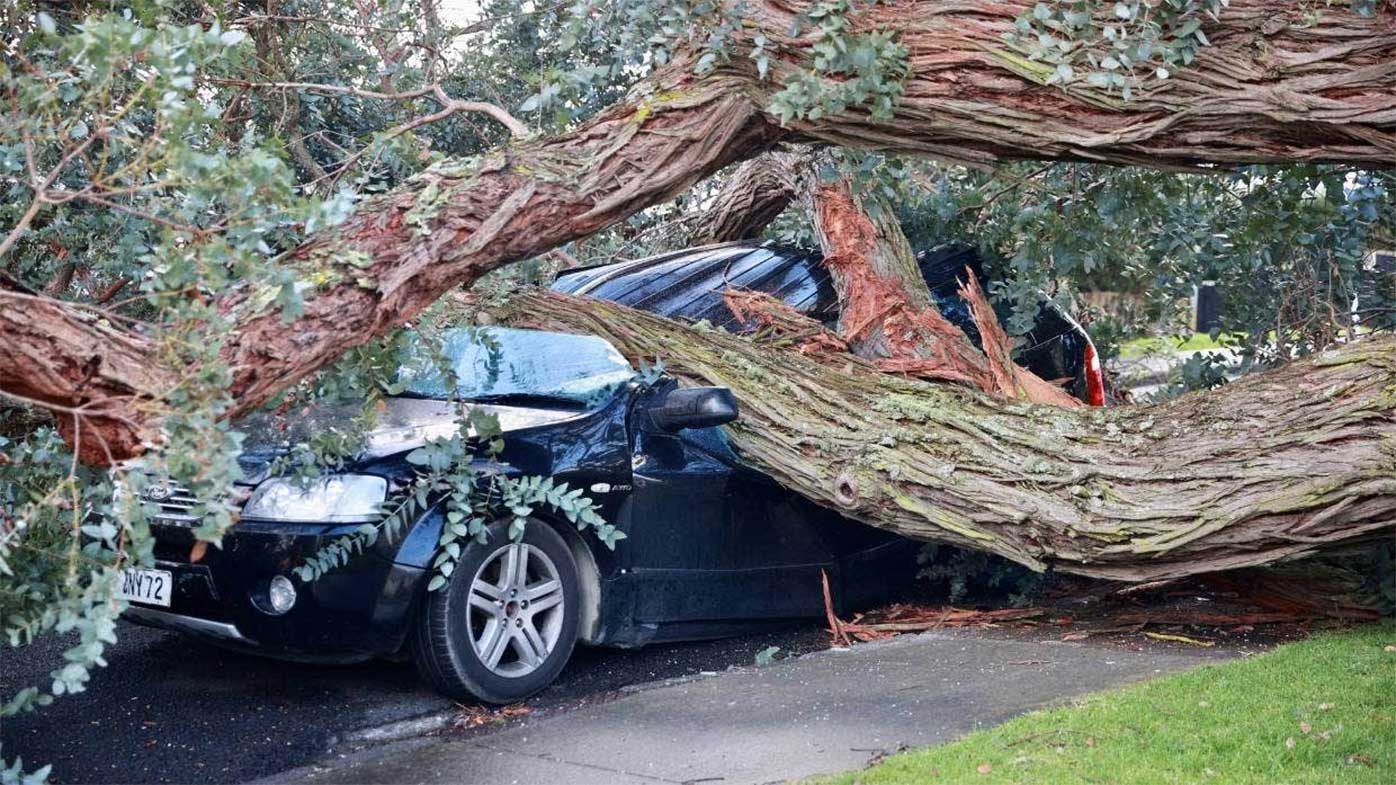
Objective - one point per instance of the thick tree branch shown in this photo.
(1272, 467)
(1275, 85)
(753, 196)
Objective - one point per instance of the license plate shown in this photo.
(148, 587)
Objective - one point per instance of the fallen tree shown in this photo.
(1277, 465)
(1041, 485)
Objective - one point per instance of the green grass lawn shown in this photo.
(1140, 347)
(1169, 344)
(1319, 711)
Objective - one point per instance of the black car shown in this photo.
(712, 548)
(689, 284)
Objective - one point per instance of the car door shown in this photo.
(713, 540)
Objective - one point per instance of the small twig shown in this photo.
(835, 626)
(107, 294)
(256, 19)
(76, 411)
(138, 213)
(1014, 182)
(20, 226)
(449, 105)
(515, 126)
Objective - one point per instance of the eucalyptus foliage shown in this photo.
(463, 475)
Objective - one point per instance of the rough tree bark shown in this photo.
(1273, 466)
(393, 257)
(1274, 86)
(753, 196)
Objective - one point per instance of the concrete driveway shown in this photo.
(821, 713)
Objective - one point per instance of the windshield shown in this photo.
(502, 363)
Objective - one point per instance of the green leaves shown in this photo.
(462, 478)
(14, 774)
(1120, 51)
(1284, 244)
(848, 70)
(477, 499)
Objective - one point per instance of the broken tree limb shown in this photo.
(902, 618)
(1272, 467)
(889, 316)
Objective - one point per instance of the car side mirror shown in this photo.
(693, 407)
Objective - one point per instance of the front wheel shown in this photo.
(504, 626)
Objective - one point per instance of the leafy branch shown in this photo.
(465, 476)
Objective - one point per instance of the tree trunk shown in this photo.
(1273, 466)
(753, 196)
(1279, 82)
(748, 197)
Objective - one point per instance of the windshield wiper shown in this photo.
(418, 396)
(526, 399)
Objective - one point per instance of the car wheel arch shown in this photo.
(427, 532)
(588, 576)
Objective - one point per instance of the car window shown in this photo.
(500, 362)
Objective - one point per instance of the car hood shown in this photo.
(400, 424)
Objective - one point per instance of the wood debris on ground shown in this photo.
(1161, 636)
(1287, 602)
(477, 716)
(907, 617)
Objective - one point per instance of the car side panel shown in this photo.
(716, 540)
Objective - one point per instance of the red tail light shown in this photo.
(1095, 377)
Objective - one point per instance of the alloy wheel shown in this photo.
(515, 611)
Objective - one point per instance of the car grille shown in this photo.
(175, 502)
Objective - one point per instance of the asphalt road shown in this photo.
(170, 709)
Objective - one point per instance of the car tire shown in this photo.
(461, 627)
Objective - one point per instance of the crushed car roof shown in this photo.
(689, 283)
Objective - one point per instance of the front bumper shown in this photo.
(191, 625)
(356, 612)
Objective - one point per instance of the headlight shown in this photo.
(281, 594)
(340, 498)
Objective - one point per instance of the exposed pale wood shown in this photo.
(888, 315)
